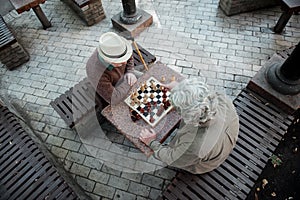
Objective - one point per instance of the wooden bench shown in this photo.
(25, 5)
(80, 100)
(12, 54)
(91, 11)
(25, 172)
(262, 126)
(288, 7)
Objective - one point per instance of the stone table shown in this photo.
(119, 115)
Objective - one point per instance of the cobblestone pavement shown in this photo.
(193, 37)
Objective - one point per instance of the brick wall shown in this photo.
(231, 7)
(91, 13)
(13, 56)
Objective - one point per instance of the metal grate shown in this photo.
(262, 126)
(25, 173)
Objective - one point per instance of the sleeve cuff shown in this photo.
(154, 145)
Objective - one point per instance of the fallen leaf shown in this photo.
(264, 183)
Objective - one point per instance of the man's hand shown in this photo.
(170, 85)
(131, 79)
(147, 136)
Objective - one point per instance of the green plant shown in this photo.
(275, 160)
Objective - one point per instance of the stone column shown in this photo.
(285, 78)
(130, 15)
(131, 19)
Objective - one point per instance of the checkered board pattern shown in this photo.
(151, 108)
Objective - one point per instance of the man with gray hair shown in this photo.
(207, 133)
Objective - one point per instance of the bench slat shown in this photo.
(261, 133)
(24, 170)
(204, 194)
(258, 139)
(257, 144)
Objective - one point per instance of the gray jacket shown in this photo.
(188, 150)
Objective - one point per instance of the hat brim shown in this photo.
(121, 59)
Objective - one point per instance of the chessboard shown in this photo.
(150, 101)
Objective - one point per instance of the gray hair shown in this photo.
(194, 101)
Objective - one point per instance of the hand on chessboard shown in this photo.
(170, 85)
(147, 136)
(130, 78)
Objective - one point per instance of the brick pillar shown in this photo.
(13, 56)
(231, 7)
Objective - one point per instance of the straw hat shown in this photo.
(114, 48)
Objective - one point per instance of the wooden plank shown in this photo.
(78, 109)
(51, 189)
(85, 100)
(238, 156)
(30, 173)
(232, 177)
(31, 183)
(264, 138)
(244, 169)
(63, 110)
(251, 120)
(229, 183)
(249, 155)
(237, 173)
(261, 119)
(10, 165)
(252, 149)
(250, 99)
(218, 187)
(204, 192)
(261, 148)
(177, 191)
(24, 170)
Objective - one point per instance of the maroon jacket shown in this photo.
(108, 82)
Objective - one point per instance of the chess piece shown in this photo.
(145, 100)
(152, 96)
(152, 119)
(160, 110)
(173, 78)
(132, 103)
(163, 79)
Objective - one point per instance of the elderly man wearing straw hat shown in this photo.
(110, 69)
(207, 133)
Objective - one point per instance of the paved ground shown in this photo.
(192, 37)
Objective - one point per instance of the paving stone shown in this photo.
(75, 157)
(110, 170)
(152, 181)
(59, 152)
(80, 170)
(154, 193)
(99, 176)
(67, 133)
(124, 195)
(104, 190)
(165, 173)
(117, 182)
(71, 145)
(57, 141)
(139, 189)
(93, 163)
(137, 177)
